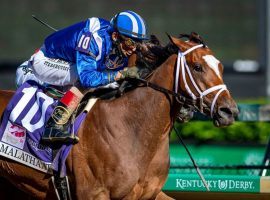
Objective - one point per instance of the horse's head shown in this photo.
(199, 75)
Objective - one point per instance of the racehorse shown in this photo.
(123, 151)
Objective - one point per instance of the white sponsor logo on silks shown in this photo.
(14, 135)
(216, 184)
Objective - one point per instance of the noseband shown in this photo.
(182, 64)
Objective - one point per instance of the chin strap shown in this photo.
(183, 66)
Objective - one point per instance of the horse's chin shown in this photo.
(185, 115)
(223, 122)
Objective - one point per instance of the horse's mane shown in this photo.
(152, 54)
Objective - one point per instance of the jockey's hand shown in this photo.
(128, 72)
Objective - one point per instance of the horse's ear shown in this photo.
(182, 45)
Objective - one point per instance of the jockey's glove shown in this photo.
(130, 72)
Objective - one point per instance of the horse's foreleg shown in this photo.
(163, 196)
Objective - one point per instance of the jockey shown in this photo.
(88, 54)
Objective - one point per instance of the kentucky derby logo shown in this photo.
(14, 135)
(222, 184)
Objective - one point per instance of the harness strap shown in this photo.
(215, 99)
(181, 63)
(179, 97)
(61, 187)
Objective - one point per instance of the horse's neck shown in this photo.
(164, 74)
(153, 113)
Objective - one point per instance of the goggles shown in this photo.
(128, 42)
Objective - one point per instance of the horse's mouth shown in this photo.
(223, 122)
(221, 118)
(225, 116)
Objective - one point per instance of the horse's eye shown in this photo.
(198, 68)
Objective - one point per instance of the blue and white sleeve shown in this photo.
(88, 73)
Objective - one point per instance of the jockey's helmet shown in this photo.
(130, 24)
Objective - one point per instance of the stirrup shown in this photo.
(66, 140)
(53, 135)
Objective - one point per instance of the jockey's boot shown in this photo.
(57, 128)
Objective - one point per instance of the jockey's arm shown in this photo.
(89, 75)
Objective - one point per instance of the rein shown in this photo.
(181, 99)
(178, 96)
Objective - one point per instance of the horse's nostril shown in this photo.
(225, 112)
(228, 111)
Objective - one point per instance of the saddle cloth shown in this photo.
(23, 125)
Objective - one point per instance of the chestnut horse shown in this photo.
(123, 151)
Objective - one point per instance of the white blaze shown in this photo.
(213, 63)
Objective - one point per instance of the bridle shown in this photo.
(194, 101)
(182, 64)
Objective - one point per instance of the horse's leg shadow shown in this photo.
(163, 196)
(9, 191)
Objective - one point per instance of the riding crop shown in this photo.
(44, 23)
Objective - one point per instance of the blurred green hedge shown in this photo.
(239, 132)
